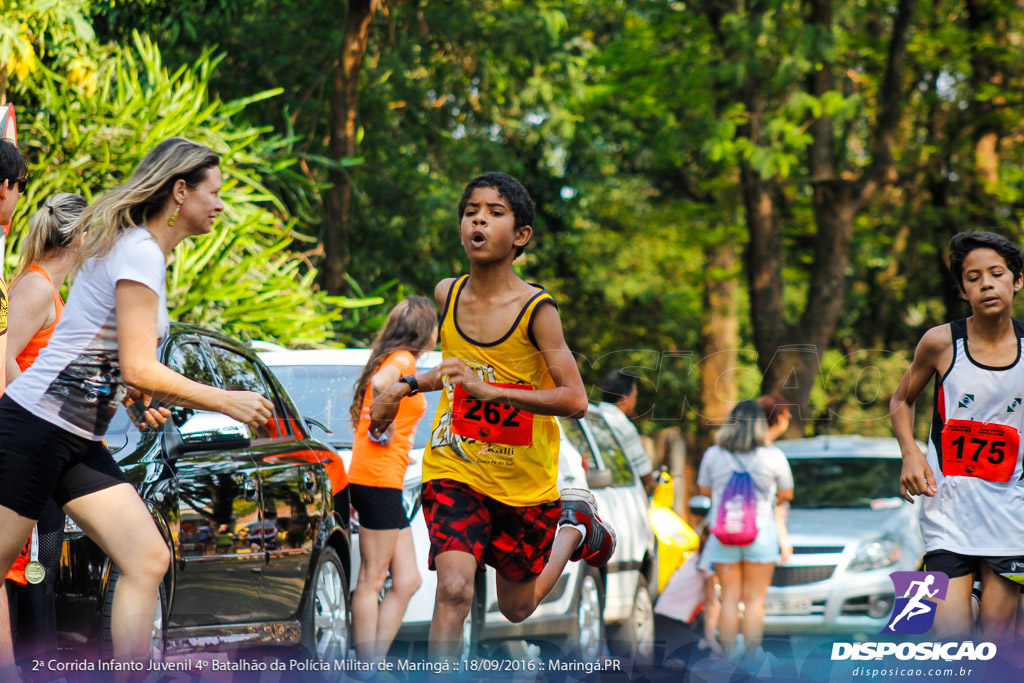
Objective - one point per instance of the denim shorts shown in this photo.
(765, 547)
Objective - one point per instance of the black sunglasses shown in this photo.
(22, 182)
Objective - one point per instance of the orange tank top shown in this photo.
(41, 338)
(28, 356)
(384, 466)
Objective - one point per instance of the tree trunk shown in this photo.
(719, 341)
(344, 129)
(789, 355)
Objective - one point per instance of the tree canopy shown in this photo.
(733, 196)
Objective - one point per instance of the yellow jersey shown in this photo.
(501, 452)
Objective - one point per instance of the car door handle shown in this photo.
(309, 481)
(250, 489)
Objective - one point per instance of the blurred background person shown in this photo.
(776, 411)
(618, 405)
(745, 571)
(377, 478)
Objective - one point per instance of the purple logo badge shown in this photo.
(913, 614)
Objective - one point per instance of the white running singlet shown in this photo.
(974, 451)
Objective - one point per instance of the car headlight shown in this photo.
(876, 553)
(411, 498)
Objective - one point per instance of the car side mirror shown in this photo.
(204, 431)
(310, 422)
(599, 479)
(699, 505)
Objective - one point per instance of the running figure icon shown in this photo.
(914, 607)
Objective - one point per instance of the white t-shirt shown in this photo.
(76, 381)
(767, 466)
(629, 436)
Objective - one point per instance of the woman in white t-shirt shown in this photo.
(744, 572)
(54, 415)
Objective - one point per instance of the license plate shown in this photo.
(787, 606)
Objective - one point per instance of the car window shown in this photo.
(614, 459)
(844, 482)
(324, 393)
(187, 358)
(241, 374)
(574, 432)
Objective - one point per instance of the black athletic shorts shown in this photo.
(955, 565)
(39, 460)
(378, 507)
(343, 506)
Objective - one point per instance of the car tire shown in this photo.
(327, 617)
(585, 640)
(106, 642)
(634, 638)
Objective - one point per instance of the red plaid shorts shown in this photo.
(516, 541)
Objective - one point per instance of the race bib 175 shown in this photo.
(979, 449)
(491, 422)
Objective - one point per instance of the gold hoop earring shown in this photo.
(174, 216)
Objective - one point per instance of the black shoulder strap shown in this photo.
(452, 293)
(958, 329)
(1018, 328)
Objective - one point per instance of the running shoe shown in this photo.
(579, 509)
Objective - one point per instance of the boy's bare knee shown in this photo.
(455, 590)
(516, 613)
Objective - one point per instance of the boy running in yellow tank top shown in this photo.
(489, 493)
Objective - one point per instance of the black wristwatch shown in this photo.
(414, 386)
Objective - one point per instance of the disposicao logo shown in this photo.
(913, 614)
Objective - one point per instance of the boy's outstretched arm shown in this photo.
(567, 399)
(933, 355)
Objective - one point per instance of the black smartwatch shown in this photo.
(414, 386)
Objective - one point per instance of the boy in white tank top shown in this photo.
(972, 516)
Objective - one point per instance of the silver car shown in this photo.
(850, 530)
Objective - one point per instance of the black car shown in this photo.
(258, 555)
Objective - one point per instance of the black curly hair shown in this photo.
(963, 243)
(511, 190)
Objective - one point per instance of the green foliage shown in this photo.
(248, 277)
(626, 121)
(57, 31)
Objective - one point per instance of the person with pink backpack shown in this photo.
(745, 479)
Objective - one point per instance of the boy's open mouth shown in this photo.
(477, 238)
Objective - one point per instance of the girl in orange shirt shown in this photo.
(35, 307)
(377, 474)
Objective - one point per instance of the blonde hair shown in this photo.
(145, 194)
(54, 227)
